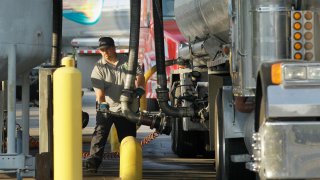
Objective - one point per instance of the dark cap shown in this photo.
(106, 42)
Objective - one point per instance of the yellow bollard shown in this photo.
(147, 75)
(113, 139)
(130, 159)
(67, 131)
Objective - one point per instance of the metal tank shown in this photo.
(28, 26)
(198, 19)
(270, 43)
(256, 40)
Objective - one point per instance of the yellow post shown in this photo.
(113, 139)
(130, 159)
(67, 134)
(147, 75)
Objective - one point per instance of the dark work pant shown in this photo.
(103, 125)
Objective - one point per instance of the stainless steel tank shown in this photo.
(271, 27)
(28, 25)
(202, 18)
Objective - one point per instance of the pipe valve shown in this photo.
(165, 125)
(158, 121)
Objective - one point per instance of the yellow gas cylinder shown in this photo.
(67, 128)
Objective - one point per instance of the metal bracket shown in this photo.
(25, 165)
(271, 9)
(240, 158)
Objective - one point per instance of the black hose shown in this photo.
(162, 90)
(159, 44)
(133, 44)
(56, 32)
(127, 93)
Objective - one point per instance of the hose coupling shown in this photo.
(162, 94)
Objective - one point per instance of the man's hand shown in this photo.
(140, 91)
(103, 107)
(102, 110)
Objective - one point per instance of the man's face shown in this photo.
(108, 53)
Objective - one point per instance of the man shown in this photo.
(108, 78)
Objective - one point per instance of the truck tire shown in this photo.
(221, 162)
(225, 148)
(262, 112)
(186, 144)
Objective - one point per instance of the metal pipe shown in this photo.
(5, 103)
(19, 140)
(11, 122)
(25, 113)
(5, 94)
(162, 90)
(127, 93)
(196, 49)
(1, 114)
(130, 159)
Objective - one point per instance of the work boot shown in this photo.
(92, 165)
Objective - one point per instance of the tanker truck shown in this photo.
(250, 83)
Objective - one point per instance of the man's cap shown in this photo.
(106, 42)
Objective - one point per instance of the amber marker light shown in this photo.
(297, 46)
(297, 15)
(297, 26)
(276, 73)
(297, 36)
(297, 56)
